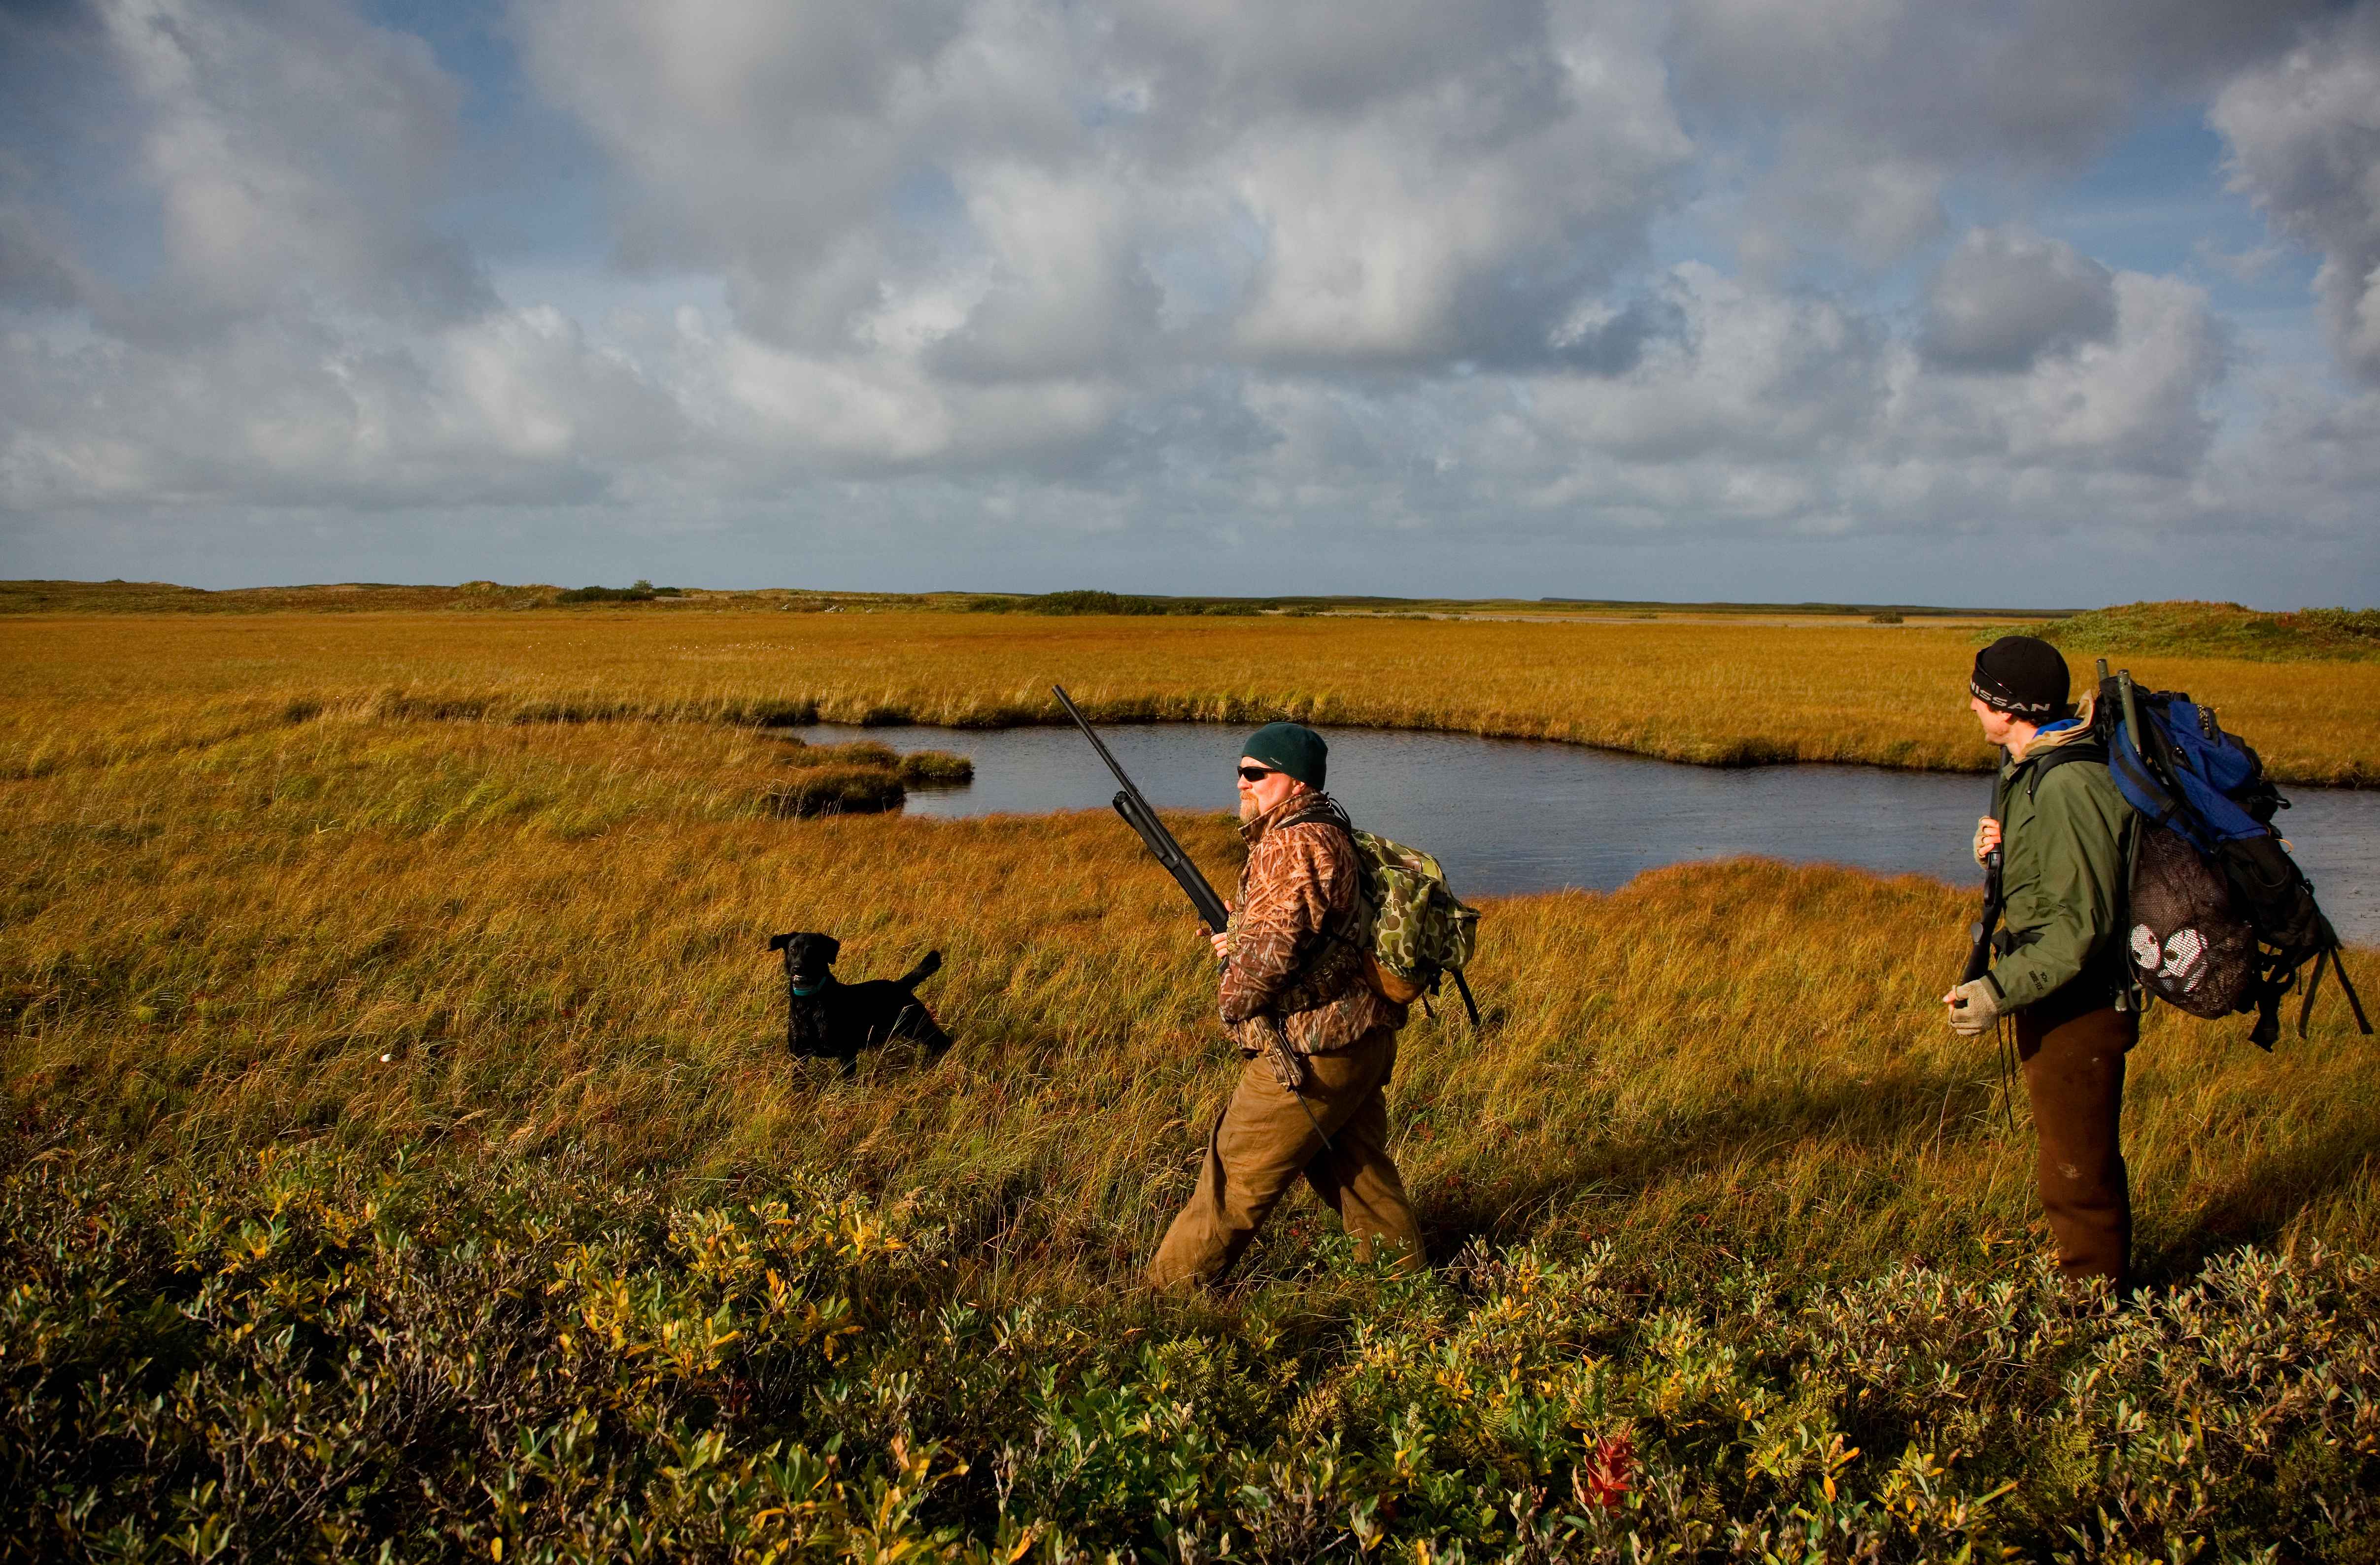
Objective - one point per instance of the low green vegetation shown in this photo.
(1087, 602)
(641, 592)
(308, 1357)
(2213, 630)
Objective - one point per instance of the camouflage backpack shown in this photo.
(1418, 930)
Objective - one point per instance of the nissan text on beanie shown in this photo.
(1290, 747)
(2025, 676)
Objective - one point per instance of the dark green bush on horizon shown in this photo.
(1095, 603)
(642, 593)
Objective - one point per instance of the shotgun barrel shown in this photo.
(1141, 818)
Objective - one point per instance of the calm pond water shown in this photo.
(1509, 816)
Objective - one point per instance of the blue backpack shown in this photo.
(2222, 918)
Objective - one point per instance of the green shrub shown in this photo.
(1089, 602)
(2210, 630)
(1085, 602)
(458, 1357)
(642, 593)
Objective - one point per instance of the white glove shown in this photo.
(1973, 1007)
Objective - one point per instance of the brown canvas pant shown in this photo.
(2075, 1075)
(1264, 1143)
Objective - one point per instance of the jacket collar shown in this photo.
(2080, 730)
(1295, 811)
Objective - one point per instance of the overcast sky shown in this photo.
(2040, 302)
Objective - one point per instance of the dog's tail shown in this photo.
(922, 971)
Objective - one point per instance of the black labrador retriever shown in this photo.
(827, 1019)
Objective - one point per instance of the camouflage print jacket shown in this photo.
(1294, 957)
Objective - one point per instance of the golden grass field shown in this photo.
(420, 960)
(1708, 691)
(245, 859)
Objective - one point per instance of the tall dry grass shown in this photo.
(380, 931)
(1712, 692)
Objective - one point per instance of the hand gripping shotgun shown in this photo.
(1137, 815)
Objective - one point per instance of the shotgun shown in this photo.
(1979, 962)
(1137, 815)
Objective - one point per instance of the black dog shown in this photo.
(827, 1019)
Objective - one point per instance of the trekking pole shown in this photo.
(2010, 1068)
(2313, 981)
(1468, 1003)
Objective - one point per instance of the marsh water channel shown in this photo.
(1508, 816)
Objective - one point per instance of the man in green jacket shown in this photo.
(2062, 970)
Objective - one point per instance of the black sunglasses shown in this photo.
(1256, 773)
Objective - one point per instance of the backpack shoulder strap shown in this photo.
(2081, 750)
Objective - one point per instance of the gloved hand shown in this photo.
(1973, 1007)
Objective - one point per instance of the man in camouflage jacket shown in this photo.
(1319, 1044)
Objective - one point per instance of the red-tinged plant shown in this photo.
(1604, 1479)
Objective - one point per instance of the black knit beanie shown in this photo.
(1291, 747)
(2025, 676)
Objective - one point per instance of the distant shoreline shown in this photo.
(1704, 690)
(131, 597)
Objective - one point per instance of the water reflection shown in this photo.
(1508, 816)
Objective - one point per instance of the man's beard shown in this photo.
(1249, 808)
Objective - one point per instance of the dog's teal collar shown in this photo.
(805, 993)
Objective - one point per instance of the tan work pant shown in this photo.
(1264, 1143)
(2075, 1075)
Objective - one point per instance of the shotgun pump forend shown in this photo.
(1979, 960)
(1142, 819)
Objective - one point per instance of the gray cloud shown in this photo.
(2304, 133)
(292, 146)
(2003, 297)
(36, 270)
(1876, 105)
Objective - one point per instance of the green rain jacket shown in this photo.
(2066, 839)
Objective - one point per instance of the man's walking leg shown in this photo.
(2075, 1075)
(1258, 1148)
(1355, 1177)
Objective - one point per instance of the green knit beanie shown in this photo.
(1291, 747)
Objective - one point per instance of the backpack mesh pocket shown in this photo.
(2188, 947)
